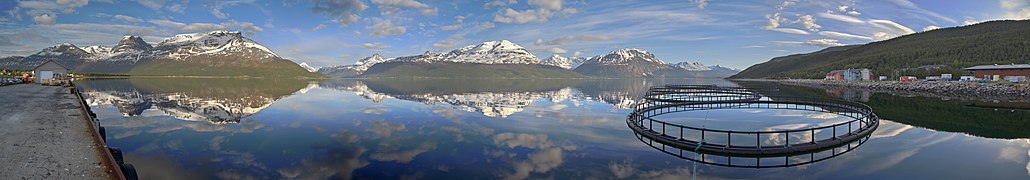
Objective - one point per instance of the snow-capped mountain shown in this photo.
(214, 43)
(308, 67)
(493, 52)
(186, 54)
(557, 60)
(97, 49)
(692, 66)
(625, 63)
(355, 69)
(576, 61)
(626, 56)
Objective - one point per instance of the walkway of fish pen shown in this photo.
(740, 143)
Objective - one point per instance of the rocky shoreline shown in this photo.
(1011, 92)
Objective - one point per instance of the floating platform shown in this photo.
(685, 98)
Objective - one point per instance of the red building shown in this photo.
(998, 72)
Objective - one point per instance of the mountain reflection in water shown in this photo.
(505, 129)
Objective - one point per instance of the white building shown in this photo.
(47, 70)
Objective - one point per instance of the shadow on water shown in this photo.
(932, 113)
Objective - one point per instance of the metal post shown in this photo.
(813, 136)
(729, 140)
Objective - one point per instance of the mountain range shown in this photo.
(505, 59)
(939, 51)
(215, 53)
(229, 53)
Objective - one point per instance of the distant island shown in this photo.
(934, 52)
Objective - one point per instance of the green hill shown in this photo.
(995, 42)
(454, 70)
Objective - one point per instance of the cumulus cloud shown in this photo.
(774, 21)
(152, 4)
(217, 10)
(556, 50)
(200, 27)
(450, 27)
(573, 38)
(701, 3)
(1016, 9)
(486, 25)
(345, 11)
(449, 42)
(376, 45)
(809, 22)
(316, 28)
(547, 4)
(387, 7)
(386, 28)
(843, 35)
(521, 17)
(45, 19)
(127, 18)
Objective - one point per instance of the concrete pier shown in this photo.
(46, 134)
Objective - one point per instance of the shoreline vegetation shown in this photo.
(991, 91)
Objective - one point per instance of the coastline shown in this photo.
(996, 92)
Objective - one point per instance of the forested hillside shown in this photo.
(995, 42)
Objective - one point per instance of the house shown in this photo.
(849, 75)
(1000, 72)
(49, 69)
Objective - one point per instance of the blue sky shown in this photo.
(330, 32)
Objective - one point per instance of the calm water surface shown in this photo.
(515, 129)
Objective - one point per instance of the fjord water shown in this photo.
(511, 129)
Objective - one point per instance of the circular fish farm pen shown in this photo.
(647, 123)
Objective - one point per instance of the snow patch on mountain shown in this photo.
(625, 56)
(218, 42)
(557, 60)
(692, 66)
(308, 67)
(493, 52)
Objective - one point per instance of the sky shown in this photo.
(730, 33)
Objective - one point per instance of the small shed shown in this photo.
(49, 69)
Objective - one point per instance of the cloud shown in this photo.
(547, 4)
(701, 3)
(217, 10)
(930, 28)
(449, 42)
(386, 28)
(152, 4)
(200, 27)
(521, 17)
(1016, 9)
(843, 18)
(486, 25)
(809, 22)
(127, 18)
(450, 27)
(402, 156)
(785, 4)
(814, 42)
(316, 28)
(179, 7)
(789, 30)
(388, 7)
(45, 19)
(556, 50)
(573, 38)
(376, 45)
(345, 11)
(843, 35)
(892, 25)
